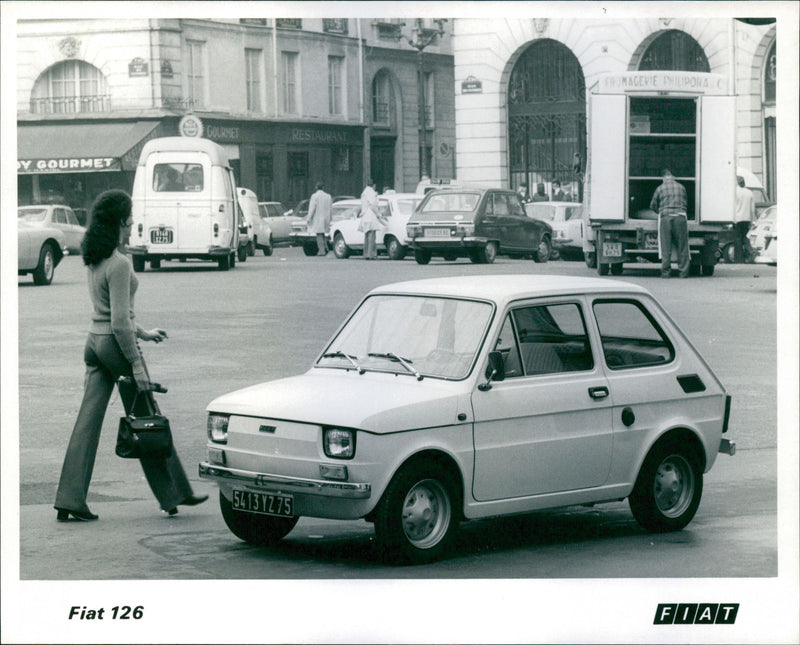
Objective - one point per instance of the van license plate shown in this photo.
(159, 236)
(612, 249)
(651, 241)
(263, 503)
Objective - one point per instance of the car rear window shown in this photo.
(178, 177)
(451, 202)
(31, 214)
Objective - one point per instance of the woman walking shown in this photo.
(112, 351)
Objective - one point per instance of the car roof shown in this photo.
(503, 288)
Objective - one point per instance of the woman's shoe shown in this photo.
(84, 516)
(172, 511)
(194, 500)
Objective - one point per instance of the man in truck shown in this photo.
(669, 201)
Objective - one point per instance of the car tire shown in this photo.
(251, 248)
(268, 248)
(155, 264)
(46, 268)
(417, 517)
(310, 249)
(708, 270)
(590, 259)
(729, 253)
(489, 253)
(475, 256)
(254, 528)
(242, 253)
(544, 250)
(340, 248)
(603, 268)
(668, 489)
(617, 268)
(224, 262)
(422, 256)
(394, 249)
(138, 263)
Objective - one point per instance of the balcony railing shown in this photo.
(71, 104)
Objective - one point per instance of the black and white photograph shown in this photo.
(560, 405)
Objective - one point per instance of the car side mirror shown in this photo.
(495, 371)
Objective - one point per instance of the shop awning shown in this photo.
(81, 147)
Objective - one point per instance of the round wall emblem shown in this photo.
(190, 126)
(69, 47)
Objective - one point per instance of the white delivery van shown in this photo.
(258, 229)
(184, 204)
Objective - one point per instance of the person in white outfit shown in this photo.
(319, 217)
(371, 220)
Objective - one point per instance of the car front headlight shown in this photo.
(339, 443)
(217, 427)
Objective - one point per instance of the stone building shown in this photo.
(292, 101)
(522, 88)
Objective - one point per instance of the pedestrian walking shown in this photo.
(743, 219)
(319, 217)
(670, 202)
(558, 194)
(112, 351)
(371, 220)
(540, 195)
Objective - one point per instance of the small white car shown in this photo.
(396, 209)
(55, 216)
(259, 234)
(39, 250)
(566, 218)
(280, 221)
(469, 397)
(763, 237)
(343, 209)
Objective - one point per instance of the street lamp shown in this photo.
(423, 38)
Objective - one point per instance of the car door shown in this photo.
(520, 234)
(278, 222)
(76, 231)
(547, 427)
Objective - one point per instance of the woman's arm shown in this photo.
(122, 325)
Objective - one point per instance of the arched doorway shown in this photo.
(547, 119)
(674, 50)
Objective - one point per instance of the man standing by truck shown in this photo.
(669, 201)
(743, 219)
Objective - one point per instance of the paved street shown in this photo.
(268, 318)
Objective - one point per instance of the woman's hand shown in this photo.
(141, 378)
(156, 335)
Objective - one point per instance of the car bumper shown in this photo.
(434, 243)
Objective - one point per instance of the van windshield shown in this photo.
(177, 177)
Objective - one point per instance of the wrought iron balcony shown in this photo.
(71, 104)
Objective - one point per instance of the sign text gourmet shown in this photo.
(74, 164)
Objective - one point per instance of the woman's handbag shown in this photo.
(144, 436)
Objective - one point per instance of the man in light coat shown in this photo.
(319, 217)
(371, 220)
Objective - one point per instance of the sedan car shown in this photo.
(396, 209)
(39, 250)
(55, 216)
(566, 218)
(478, 223)
(469, 397)
(279, 220)
(343, 209)
(763, 237)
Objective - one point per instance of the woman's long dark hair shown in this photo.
(109, 212)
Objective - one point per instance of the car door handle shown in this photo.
(598, 392)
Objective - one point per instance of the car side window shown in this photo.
(500, 205)
(507, 345)
(71, 218)
(574, 212)
(516, 206)
(630, 336)
(60, 215)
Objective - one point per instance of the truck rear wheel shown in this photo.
(617, 268)
(224, 262)
(603, 268)
(708, 270)
(138, 263)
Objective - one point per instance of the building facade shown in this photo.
(292, 101)
(522, 88)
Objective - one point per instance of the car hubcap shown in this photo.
(48, 264)
(426, 514)
(544, 249)
(674, 486)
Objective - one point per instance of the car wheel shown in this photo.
(708, 270)
(224, 262)
(450, 257)
(591, 260)
(475, 256)
(340, 248)
(422, 256)
(251, 247)
(138, 263)
(268, 248)
(254, 528)
(668, 489)
(694, 270)
(232, 260)
(729, 253)
(489, 253)
(44, 271)
(417, 517)
(155, 264)
(242, 253)
(544, 250)
(394, 249)
(617, 268)
(310, 248)
(603, 268)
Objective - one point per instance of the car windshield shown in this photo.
(407, 206)
(416, 335)
(31, 214)
(769, 215)
(543, 212)
(451, 202)
(340, 212)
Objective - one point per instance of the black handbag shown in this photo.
(144, 436)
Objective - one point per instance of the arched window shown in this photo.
(70, 86)
(381, 99)
(674, 50)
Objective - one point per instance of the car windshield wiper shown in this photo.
(403, 361)
(341, 354)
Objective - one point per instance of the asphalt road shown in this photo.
(268, 318)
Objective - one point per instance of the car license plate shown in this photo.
(437, 232)
(161, 236)
(612, 249)
(651, 241)
(263, 503)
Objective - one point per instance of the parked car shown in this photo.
(763, 237)
(279, 220)
(259, 234)
(396, 209)
(469, 397)
(566, 219)
(39, 250)
(477, 223)
(55, 216)
(342, 209)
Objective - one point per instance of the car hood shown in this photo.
(375, 401)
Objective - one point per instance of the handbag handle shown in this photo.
(154, 387)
